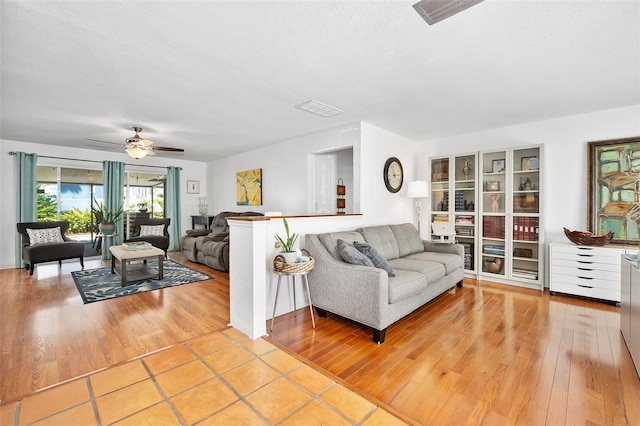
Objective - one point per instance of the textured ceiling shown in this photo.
(216, 78)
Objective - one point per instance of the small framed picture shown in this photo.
(193, 187)
(498, 166)
(530, 163)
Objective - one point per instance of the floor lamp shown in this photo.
(418, 189)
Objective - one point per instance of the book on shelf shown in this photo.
(462, 220)
(464, 232)
(493, 226)
(440, 219)
(459, 201)
(468, 256)
(525, 228)
(493, 249)
(524, 273)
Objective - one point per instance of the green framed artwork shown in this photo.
(613, 169)
(249, 188)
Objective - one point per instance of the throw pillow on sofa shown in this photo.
(44, 236)
(151, 230)
(375, 257)
(351, 255)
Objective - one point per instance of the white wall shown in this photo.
(565, 157)
(191, 170)
(287, 181)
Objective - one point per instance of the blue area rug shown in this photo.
(95, 285)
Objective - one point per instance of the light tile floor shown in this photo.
(220, 379)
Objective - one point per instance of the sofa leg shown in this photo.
(31, 269)
(379, 335)
(459, 284)
(60, 262)
(82, 262)
(26, 266)
(322, 313)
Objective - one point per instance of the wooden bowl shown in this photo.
(584, 238)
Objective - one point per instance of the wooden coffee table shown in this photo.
(133, 263)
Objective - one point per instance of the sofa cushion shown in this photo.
(198, 232)
(213, 248)
(451, 262)
(382, 238)
(351, 255)
(406, 284)
(373, 254)
(330, 241)
(433, 270)
(407, 238)
(217, 237)
(45, 236)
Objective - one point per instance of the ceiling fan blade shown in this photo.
(103, 148)
(101, 141)
(166, 148)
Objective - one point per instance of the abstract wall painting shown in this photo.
(249, 188)
(613, 170)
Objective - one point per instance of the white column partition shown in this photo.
(247, 278)
(251, 279)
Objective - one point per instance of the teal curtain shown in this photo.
(113, 186)
(26, 201)
(172, 207)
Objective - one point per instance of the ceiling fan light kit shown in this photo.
(138, 147)
(136, 152)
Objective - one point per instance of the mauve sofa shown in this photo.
(368, 295)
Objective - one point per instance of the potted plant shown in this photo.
(286, 244)
(106, 218)
(143, 206)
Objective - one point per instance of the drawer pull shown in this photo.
(585, 255)
(585, 269)
(584, 286)
(584, 261)
(585, 278)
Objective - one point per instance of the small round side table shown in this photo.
(281, 268)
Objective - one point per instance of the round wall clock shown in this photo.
(393, 174)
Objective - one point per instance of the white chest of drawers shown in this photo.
(586, 271)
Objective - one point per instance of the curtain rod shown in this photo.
(92, 161)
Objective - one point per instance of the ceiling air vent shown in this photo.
(434, 11)
(319, 108)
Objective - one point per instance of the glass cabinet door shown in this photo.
(439, 191)
(526, 213)
(494, 188)
(464, 208)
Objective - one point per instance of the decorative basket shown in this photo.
(493, 266)
(587, 238)
(282, 267)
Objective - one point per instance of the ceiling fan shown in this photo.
(138, 147)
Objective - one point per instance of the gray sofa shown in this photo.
(368, 295)
(211, 246)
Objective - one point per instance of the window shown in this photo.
(67, 194)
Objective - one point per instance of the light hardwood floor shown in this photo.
(483, 354)
(48, 335)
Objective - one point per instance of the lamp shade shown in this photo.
(418, 189)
